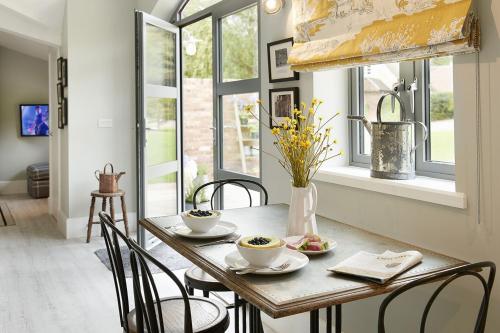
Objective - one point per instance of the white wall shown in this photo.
(98, 40)
(450, 231)
(23, 79)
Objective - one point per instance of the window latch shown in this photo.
(412, 89)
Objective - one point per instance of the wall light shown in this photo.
(273, 6)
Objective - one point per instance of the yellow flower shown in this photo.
(301, 117)
(248, 108)
(341, 153)
(335, 141)
(275, 130)
(303, 105)
(285, 126)
(314, 101)
(294, 121)
(311, 111)
(259, 101)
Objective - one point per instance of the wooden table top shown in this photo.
(310, 288)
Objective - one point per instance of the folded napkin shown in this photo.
(378, 267)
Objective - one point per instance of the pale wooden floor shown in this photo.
(50, 284)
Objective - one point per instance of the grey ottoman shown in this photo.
(38, 180)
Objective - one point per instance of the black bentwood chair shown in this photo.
(448, 276)
(195, 277)
(172, 308)
(155, 315)
(116, 263)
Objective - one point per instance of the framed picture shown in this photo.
(59, 68)
(60, 120)
(282, 102)
(277, 58)
(64, 107)
(60, 93)
(64, 69)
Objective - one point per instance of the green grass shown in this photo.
(443, 146)
(161, 146)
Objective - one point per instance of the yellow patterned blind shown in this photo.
(348, 33)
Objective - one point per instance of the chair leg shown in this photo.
(104, 210)
(91, 219)
(125, 217)
(112, 209)
(236, 313)
(189, 290)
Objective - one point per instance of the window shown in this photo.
(194, 6)
(431, 103)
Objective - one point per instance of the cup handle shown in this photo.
(314, 192)
(426, 135)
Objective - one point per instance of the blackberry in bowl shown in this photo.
(201, 220)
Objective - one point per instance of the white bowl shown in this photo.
(201, 224)
(261, 257)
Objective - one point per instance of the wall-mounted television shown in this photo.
(34, 119)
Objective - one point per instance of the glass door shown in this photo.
(158, 121)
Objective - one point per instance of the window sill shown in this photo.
(436, 191)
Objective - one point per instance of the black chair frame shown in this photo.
(233, 181)
(116, 262)
(147, 300)
(448, 276)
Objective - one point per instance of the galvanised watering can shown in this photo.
(393, 143)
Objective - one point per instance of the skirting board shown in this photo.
(76, 227)
(13, 187)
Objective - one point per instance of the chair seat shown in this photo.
(208, 316)
(197, 278)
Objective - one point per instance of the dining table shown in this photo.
(308, 290)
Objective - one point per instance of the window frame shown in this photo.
(217, 12)
(419, 70)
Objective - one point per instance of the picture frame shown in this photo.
(59, 68)
(60, 120)
(64, 107)
(64, 69)
(282, 102)
(277, 60)
(60, 93)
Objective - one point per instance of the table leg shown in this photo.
(244, 311)
(314, 321)
(338, 318)
(255, 320)
(329, 319)
(251, 319)
(236, 313)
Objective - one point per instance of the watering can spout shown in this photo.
(366, 123)
(119, 175)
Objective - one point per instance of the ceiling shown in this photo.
(31, 26)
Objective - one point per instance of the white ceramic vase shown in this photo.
(302, 213)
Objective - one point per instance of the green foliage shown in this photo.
(442, 106)
(441, 61)
(239, 47)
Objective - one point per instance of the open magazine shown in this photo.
(378, 267)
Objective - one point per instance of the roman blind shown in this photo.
(348, 33)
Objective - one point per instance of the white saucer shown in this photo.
(294, 239)
(295, 259)
(222, 229)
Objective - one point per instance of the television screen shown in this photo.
(34, 119)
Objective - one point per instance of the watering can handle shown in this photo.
(426, 135)
(314, 193)
(96, 174)
(401, 105)
(112, 168)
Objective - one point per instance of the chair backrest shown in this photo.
(116, 263)
(218, 184)
(448, 276)
(147, 300)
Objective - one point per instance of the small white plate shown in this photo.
(220, 230)
(294, 239)
(295, 259)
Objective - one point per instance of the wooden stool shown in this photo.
(105, 197)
